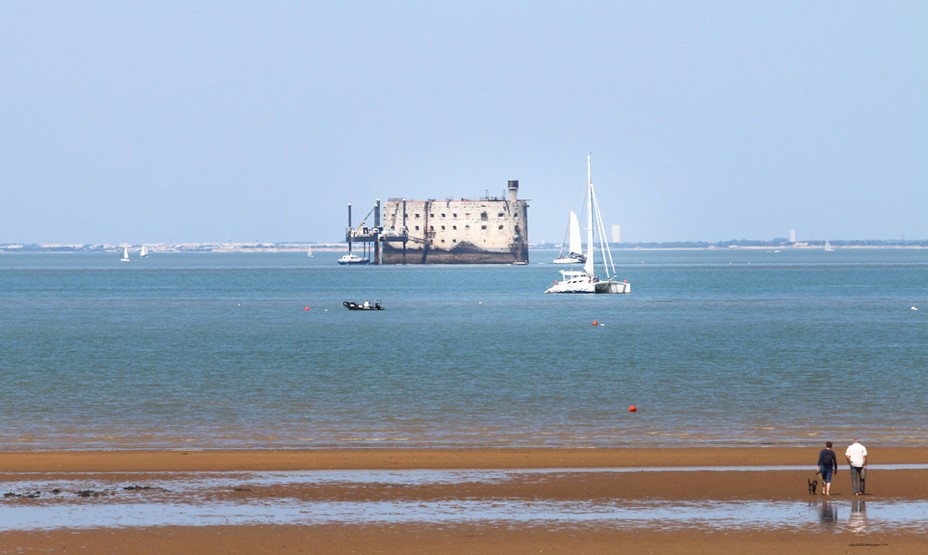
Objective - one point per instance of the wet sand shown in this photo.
(749, 479)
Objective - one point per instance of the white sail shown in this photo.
(125, 255)
(588, 265)
(574, 241)
(144, 252)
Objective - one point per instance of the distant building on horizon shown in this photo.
(792, 236)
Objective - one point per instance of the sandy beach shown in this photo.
(753, 476)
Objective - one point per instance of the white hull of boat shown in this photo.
(588, 285)
(352, 260)
(569, 260)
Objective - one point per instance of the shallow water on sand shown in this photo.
(726, 347)
(193, 500)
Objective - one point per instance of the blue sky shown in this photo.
(132, 122)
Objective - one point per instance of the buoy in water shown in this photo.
(306, 308)
(595, 322)
(633, 408)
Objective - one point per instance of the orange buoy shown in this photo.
(595, 322)
(633, 408)
(305, 308)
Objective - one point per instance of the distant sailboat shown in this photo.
(125, 255)
(828, 247)
(144, 252)
(309, 252)
(573, 245)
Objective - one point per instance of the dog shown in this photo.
(812, 485)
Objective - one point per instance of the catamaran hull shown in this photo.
(590, 287)
(615, 287)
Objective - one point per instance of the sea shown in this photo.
(723, 347)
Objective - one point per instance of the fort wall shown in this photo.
(485, 231)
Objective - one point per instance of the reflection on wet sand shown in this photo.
(857, 522)
(828, 514)
(407, 497)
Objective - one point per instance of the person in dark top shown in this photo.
(827, 467)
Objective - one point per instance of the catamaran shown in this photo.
(573, 245)
(586, 280)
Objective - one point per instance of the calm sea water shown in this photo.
(726, 347)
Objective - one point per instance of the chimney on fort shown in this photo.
(513, 189)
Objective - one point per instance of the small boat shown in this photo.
(573, 245)
(586, 280)
(352, 259)
(309, 252)
(125, 255)
(144, 252)
(366, 305)
(828, 247)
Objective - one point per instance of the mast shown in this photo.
(588, 264)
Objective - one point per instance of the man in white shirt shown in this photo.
(856, 456)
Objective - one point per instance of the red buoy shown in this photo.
(633, 408)
(595, 323)
(305, 308)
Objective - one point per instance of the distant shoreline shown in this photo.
(48, 248)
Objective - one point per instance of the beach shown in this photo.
(692, 477)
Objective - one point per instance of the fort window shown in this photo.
(431, 215)
(453, 215)
(442, 240)
(454, 240)
(431, 228)
(417, 215)
(483, 227)
(484, 217)
(417, 228)
(454, 227)
(467, 227)
(442, 228)
(442, 215)
(500, 228)
(501, 214)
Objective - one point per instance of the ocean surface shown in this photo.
(714, 347)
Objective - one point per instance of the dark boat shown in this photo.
(366, 305)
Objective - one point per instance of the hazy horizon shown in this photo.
(242, 122)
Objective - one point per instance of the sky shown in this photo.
(227, 121)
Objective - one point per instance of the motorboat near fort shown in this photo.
(489, 230)
(366, 305)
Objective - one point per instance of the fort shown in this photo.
(490, 230)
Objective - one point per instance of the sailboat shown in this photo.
(828, 247)
(125, 255)
(309, 252)
(586, 280)
(144, 252)
(574, 244)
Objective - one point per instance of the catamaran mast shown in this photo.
(588, 265)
